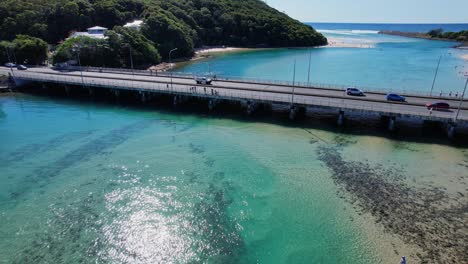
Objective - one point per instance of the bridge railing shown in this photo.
(234, 95)
(329, 86)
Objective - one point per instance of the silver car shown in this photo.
(354, 91)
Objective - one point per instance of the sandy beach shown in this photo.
(465, 56)
(200, 53)
(348, 43)
(218, 49)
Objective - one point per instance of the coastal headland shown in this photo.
(461, 45)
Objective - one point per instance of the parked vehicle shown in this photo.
(10, 65)
(22, 67)
(395, 97)
(354, 91)
(438, 106)
(203, 80)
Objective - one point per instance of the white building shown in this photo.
(93, 32)
(135, 24)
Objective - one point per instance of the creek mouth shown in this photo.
(427, 217)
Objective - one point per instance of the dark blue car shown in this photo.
(395, 97)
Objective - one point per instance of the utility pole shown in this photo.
(435, 75)
(77, 50)
(308, 72)
(170, 63)
(294, 81)
(11, 68)
(131, 57)
(131, 62)
(461, 99)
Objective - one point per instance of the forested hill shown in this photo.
(168, 23)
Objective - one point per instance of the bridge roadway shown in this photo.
(237, 90)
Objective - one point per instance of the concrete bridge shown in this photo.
(298, 98)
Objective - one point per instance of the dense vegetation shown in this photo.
(24, 49)
(458, 36)
(184, 24)
(114, 51)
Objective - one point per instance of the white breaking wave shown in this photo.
(347, 32)
(365, 31)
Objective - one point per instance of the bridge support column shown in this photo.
(143, 96)
(391, 123)
(251, 107)
(451, 130)
(212, 104)
(117, 95)
(90, 91)
(292, 112)
(340, 120)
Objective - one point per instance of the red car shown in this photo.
(438, 106)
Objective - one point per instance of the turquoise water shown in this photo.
(93, 183)
(109, 184)
(379, 62)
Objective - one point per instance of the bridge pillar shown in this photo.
(90, 91)
(451, 130)
(117, 95)
(211, 104)
(391, 123)
(143, 96)
(251, 107)
(340, 118)
(292, 112)
(175, 101)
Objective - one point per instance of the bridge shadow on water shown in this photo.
(406, 129)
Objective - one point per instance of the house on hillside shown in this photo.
(93, 32)
(134, 25)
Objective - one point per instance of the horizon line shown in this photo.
(395, 23)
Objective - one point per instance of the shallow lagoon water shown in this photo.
(391, 63)
(96, 183)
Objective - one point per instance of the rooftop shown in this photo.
(134, 24)
(97, 28)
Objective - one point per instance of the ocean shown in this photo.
(93, 182)
(422, 28)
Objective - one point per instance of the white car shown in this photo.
(203, 80)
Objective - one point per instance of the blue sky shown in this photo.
(375, 11)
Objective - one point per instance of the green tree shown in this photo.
(168, 33)
(30, 50)
(435, 33)
(114, 51)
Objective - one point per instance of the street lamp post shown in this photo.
(131, 61)
(435, 75)
(308, 72)
(170, 62)
(461, 99)
(294, 81)
(77, 50)
(131, 58)
(11, 68)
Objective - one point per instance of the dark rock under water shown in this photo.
(426, 217)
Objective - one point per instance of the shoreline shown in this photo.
(209, 51)
(342, 43)
(461, 45)
(199, 54)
